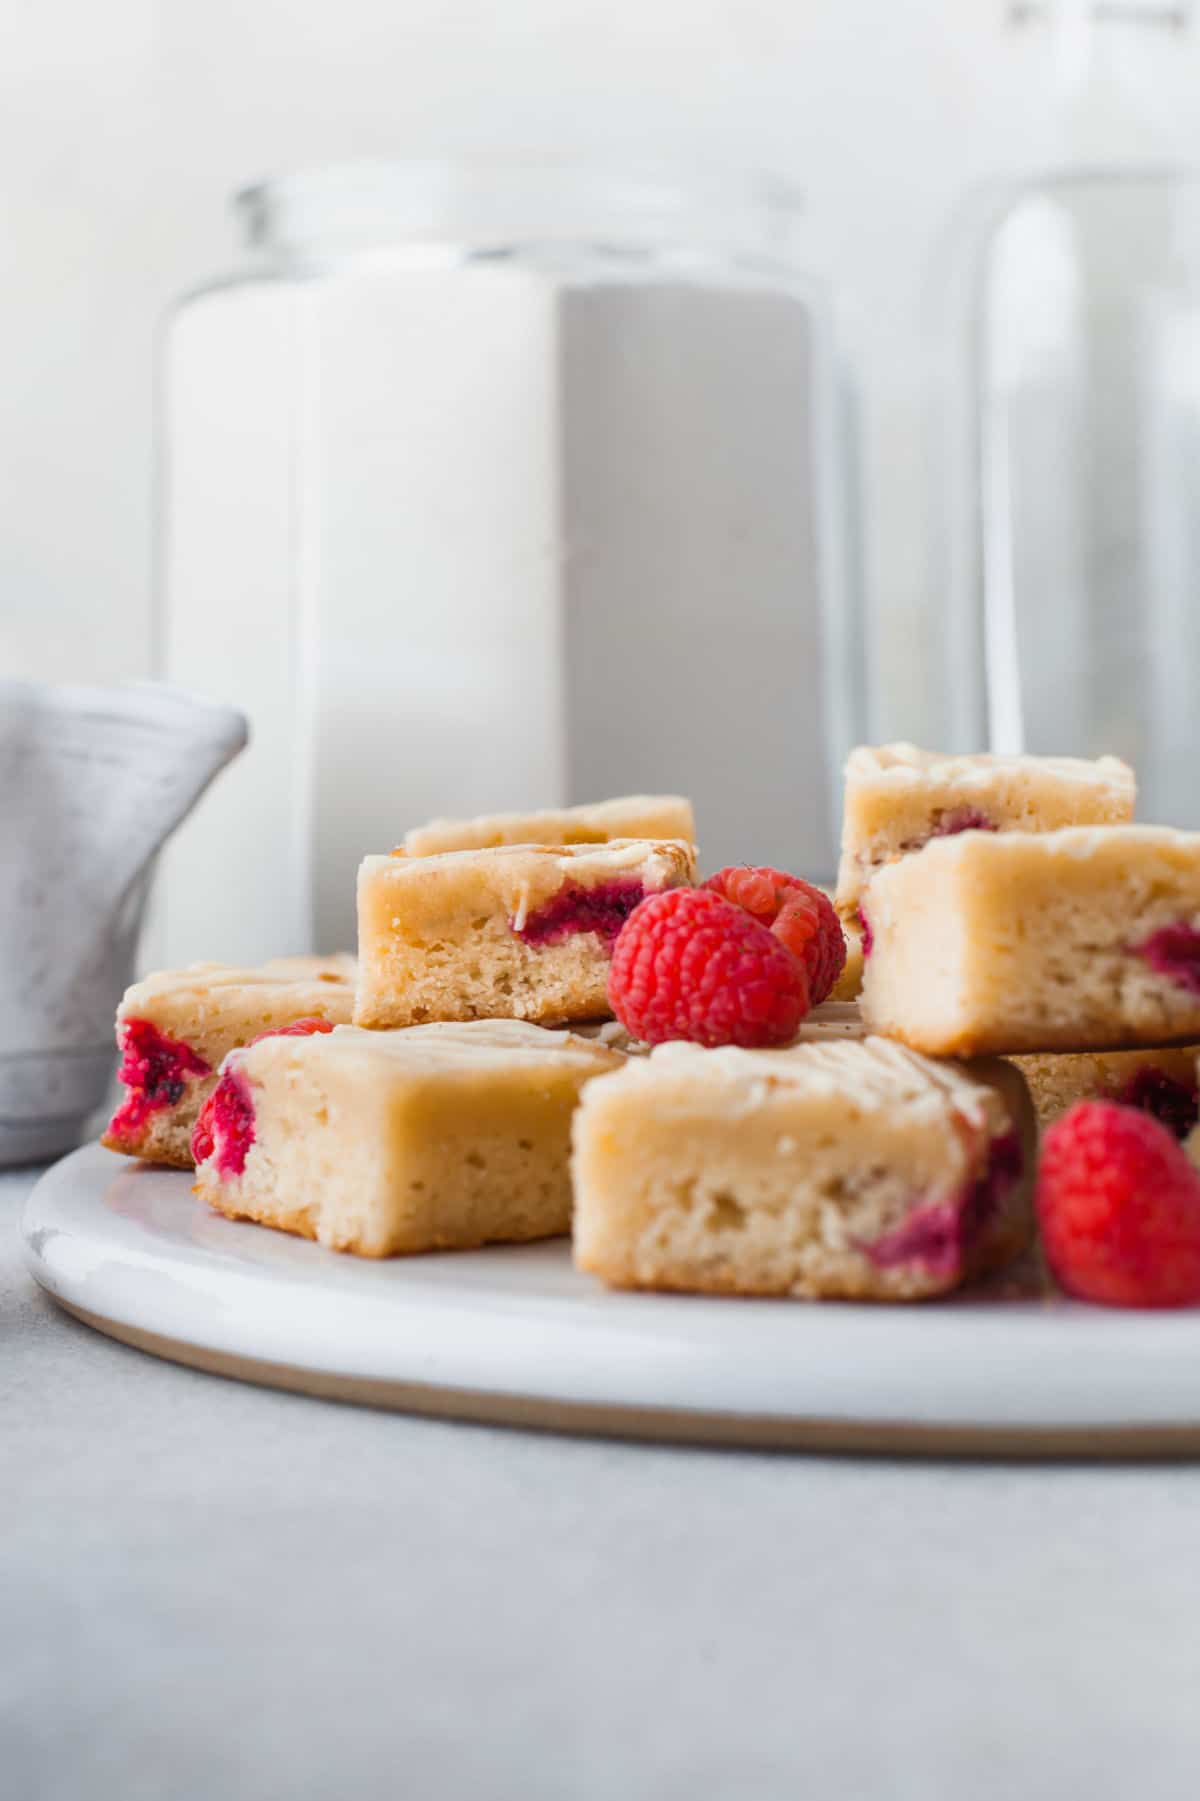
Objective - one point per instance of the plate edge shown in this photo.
(664, 1425)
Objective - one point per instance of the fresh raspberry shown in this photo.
(801, 916)
(1119, 1205)
(688, 964)
(229, 1099)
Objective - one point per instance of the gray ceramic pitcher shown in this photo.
(92, 783)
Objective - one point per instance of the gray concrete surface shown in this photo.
(212, 1591)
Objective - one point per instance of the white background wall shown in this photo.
(123, 128)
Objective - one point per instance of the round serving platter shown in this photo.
(516, 1335)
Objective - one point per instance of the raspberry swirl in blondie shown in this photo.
(898, 798)
(438, 1137)
(1082, 939)
(174, 1028)
(513, 932)
(836, 1169)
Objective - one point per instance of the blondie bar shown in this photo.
(1082, 939)
(1160, 1082)
(437, 1138)
(840, 1170)
(632, 816)
(898, 797)
(174, 1028)
(513, 932)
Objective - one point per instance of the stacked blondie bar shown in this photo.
(419, 1096)
(462, 1082)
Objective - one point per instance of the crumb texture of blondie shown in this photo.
(1162, 1082)
(835, 1169)
(439, 1137)
(898, 797)
(194, 1017)
(630, 816)
(165, 1136)
(514, 932)
(1081, 939)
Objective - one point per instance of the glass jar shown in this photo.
(495, 486)
(1075, 552)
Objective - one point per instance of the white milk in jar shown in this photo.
(496, 488)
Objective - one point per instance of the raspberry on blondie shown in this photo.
(1082, 939)
(174, 1028)
(632, 816)
(834, 1169)
(511, 932)
(440, 1137)
(898, 797)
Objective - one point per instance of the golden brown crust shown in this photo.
(847, 1283)
(284, 1219)
(1058, 1079)
(297, 1222)
(981, 1043)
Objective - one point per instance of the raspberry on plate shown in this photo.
(801, 916)
(689, 964)
(1119, 1207)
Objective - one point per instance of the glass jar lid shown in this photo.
(503, 201)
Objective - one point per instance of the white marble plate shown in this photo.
(515, 1334)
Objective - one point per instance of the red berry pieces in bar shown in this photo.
(1174, 951)
(226, 1121)
(155, 1070)
(602, 909)
(868, 936)
(942, 1234)
(1172, 1102)
(225, 1129)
